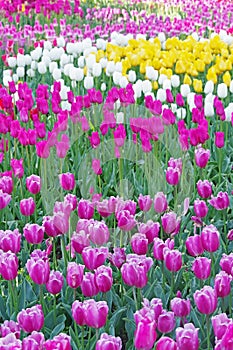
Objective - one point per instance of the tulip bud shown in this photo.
(172, 259)
(219, 139)
(210, 238)
(204, 188)
(202, 156)
(74, 274)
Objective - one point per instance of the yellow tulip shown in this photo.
(85, 70)
(187, 79)
(155, 85)
(197, 85)
(226, 78)
(211, 75)
(199, 65)
(180, 67)
(100, 54)
(156, 63)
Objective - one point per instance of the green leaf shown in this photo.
(57, 329)
(117, 315)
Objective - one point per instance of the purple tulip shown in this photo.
(222, 284)
(139, 243)
(33, 233)
(206, 300)
(220, 202)
(160, 202)
(33, 184)
(103, 278)
(67, 181)
(180, 307)
(166, 322)
(210, 238)
(74, 275)
(61, 341)
(8, 265)
(187, 337)
(108, 342)
(204, 188)
(27, 206)
(55, 282)
(31, 319)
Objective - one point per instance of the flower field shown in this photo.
(116, 175)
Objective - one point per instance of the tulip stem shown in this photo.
(230, 304)
(135, 298)
(54, 308)
(83, 337)
(172, 284)
(212, 263)
(219, 165)
(208, 331)
(54, 254)
(64, 250)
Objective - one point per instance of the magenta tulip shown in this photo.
(206, 300)
(160, 202)
(222, 284)
(202, 267)
(180, 307)
(210, 238)
(187, 337)
(166, 322)
(166, 343)
(74, 275)
(107, 342)
(204, 188)
(139, 243)
(55, 282)
(27, 206)
(33, 184)
(103, 278)
(33, 233)
(172, 259)
(31, 319)
(194, 245)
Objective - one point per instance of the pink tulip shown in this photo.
(88, 285)
(139, 243)
(118, 257)
(38, 267)
(98, 232)
(103, 278)
(166, 322)
(67, 181)
(194, 245)
(200, 208)
(94, 257)
(204, 188)
(27, 206)
(95, 313)
(125, 220)
(79, 241)
(85, 209)
(173, 176)
(226, 263)
(222, 284)
(150, 229)
(180, 307)
(55, 282)
(202, 267)
(160, 202)
(8, 327)
(8, 265)
(170, 223)
(172, 259)
(220, 323)
(220, 202)
(187, 337)
(96, 167)
(33, 184)
(10, 241)
(5, 199)
(144, 202)
(6, 184)
(74, 274)
(145, 334)
(33, 233)
(166, 343)
(210, 238)
(206, 300)
(31, 319)
(17, 167)
(61, 341)
(158, 248)
(219, 139)
(108, 342)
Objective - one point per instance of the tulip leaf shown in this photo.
(117, 315)
(57, 329)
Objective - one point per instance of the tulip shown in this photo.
(85, 209)
(74, 276)
(180, 307)
(166, 322)
(103, 278)
(61, 341)
(10, 342)
(118, 257)
(27, 206)
(33, 184)
(204, 188)
(38, 267)
(158, 248)
(67, 181)
(33, 233)
(170, 222)
(55, 282)
(88, 285)
(206, 300)
(8, 265)
(8, 327)
(78, 313)
(200, 208)
(6, 184)
(49, 226)
(220, 202)
(173, 176)
(210, 238)
(202, 267)
(94, 257)
(119, 135)
(79, 241)
(166, 343)
(144, 202)
(226, 342)
(172, 259)
(125, 220)
(94, 139)
(145, 334)
(31, 319)
(226, 263)
(33, 341)
(194, 245)
(220, 323)
(150, 229)
(95, 313)
(17, 167)
(160, 202)
(10, 240)
(139, 243)
(222, 284)
(108, 342)
(219, 139)
(187, 337)
(5, 199)
(202, 156)
(98, 232)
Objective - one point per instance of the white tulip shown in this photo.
(146, 86)
(34, 65)
(116, 78)
(173, 107)
(20, 71)
(61, 42)
(52, 66)
(67, 69)
(103, 87)
(47, 45)
(103, 62)
(65, 106)
(167, 84)
(96, 70)
(195, 36)
(41, 68)
(208, 109)
(88, 82)
(132, 76)
(210, 98)
(20, 60)
(209, 87)
(184, 90)
(162, 37)
(110, 69)
(36, 54)
(28, 60)
(90, 61)
(65, 59)
(151, 73)
(63, 92)
(12, 62)
(6, 80)
(228, 112)
(231, 87)
(162, 78)
(141, 36)
(89, 51)
(31, 73)
(46, 60)
(101, 44)
(6, 72)
(78, 47)
(54, 54)
(70, 48)
(161, 95)
(81, 62)
(123, 82)
(56, 74)
(222, 90)
(175, 81)
(87, 43)
(15, 78)
(181, 113)
(118, 67)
